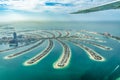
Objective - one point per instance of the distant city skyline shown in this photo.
(54, 10)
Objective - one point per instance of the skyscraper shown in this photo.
(15, 36)
(14, 41)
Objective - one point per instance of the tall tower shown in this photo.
(14, 41)
(14, 36)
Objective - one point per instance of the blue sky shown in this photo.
(54, 10)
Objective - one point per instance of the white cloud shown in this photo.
(21, 4)
(39, 5)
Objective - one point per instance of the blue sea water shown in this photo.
(81, 67)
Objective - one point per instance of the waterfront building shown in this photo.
(14, 41)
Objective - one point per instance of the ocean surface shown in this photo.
(81, 67)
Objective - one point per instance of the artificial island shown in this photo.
(32, 39)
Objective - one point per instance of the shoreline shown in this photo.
(11, 56)
(55, 64)
(90, 55)
(26, 64)
(103, 47)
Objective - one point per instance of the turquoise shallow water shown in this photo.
(80, 67)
